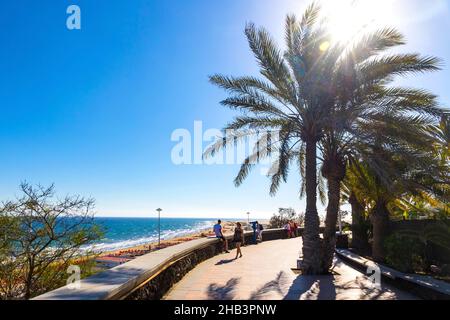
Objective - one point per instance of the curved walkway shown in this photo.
(265, 273)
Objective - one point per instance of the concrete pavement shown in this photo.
(264, 272)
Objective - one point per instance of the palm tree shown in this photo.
(442, 153)
(313, 97)
(403, 175)
(442, 134)
(369, 112)
(379, 160)
(294, 100)
(405, 136)
(360, 224)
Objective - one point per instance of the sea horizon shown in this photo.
(128, 232)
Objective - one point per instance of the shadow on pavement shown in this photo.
(317, 287)
(226, 292)
(225, 261)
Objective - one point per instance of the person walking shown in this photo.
(259, 231)
(291, 229)
(238, 239)
(287, 227)
(295, 226)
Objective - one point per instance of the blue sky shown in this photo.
(92, 110)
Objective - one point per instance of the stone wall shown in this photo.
(161, 283)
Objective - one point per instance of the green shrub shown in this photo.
(41, 235)
(284, 216)
(404, 253)
(445, 270)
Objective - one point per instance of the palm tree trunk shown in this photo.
(311, 237)
(380, 222)
(360, 239)
(329, 235)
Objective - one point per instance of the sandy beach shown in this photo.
(113, 258)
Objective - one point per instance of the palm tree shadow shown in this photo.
(277, 285)
(321, 287)
(368, 291)
(314, 287)
(226, 292)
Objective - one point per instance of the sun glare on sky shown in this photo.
(348, 19)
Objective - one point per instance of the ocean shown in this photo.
(123, 233)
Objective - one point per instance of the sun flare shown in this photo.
(348, 19)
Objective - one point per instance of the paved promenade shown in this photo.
(264, 272)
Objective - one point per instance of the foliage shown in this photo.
(338, 106)
(436, 232)
(413, 249)
(43, 236)
(404, 253)
(284, 216)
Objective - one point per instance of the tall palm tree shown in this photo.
(442, 153)
(360, 224)
(369, 112)
(442, 133)
(402, 138)
(293, 99)
(376, 160)
(315, 95)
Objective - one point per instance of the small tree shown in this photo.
(284, 216)
(41, 236)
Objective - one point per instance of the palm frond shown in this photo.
(230, 138)
(373, 43)
(384, 68)
(321, 188)
(273, 66)
(243, 122)
(246, 167)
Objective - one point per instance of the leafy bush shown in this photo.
(284, 216)
(445, 270)
(404, 253)
(40, 237)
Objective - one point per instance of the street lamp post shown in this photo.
(248, 218)
(159, 226)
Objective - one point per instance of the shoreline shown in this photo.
(112, 258)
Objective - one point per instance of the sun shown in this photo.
(349, 19)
